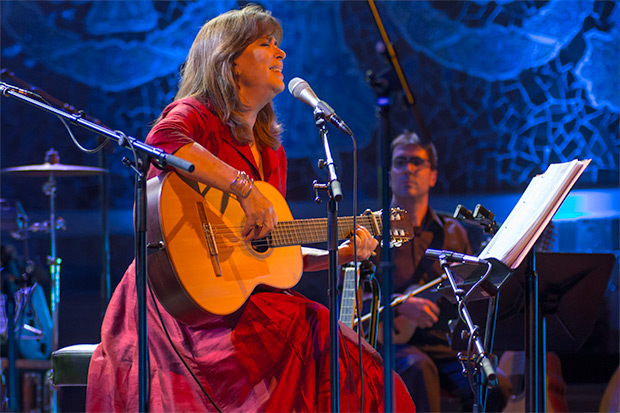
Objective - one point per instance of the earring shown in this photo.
(235, 73)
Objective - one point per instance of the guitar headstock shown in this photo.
(401, 228)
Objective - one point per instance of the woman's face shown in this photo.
(259, 69)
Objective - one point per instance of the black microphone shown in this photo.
(452, 256)
(301, 90)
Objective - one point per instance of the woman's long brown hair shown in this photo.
(208, 71)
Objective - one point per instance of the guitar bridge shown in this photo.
(210, 238)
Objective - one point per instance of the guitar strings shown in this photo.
(288, 232)
(318, 225)
(311, 223)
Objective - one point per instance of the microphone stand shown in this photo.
(535, 346)
(402, 79)
(382, 90)
(334, 191)
(104, 185)
(485, 372)
(143, 154)
(9, 288)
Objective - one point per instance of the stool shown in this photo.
(70, 364)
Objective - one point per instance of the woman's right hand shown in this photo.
(260, 215)
(259, 211)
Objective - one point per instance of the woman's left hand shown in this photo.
(366, 245)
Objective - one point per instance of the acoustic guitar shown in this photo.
(199, 265)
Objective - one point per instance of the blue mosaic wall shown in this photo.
(505, 87)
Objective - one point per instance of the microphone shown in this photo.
(5, 88)
(452, 256)
(301, 90)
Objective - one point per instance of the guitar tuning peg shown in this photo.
(464, 212)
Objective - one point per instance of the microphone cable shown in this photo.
(357, 281)
(80, 113)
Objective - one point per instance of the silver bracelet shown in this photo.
(242, 185)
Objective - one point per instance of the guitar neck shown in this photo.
(347, 302)
(314, 230)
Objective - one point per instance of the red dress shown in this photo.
(272, 355)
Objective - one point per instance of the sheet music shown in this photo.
(533, 212)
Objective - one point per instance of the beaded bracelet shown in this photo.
(242, 185)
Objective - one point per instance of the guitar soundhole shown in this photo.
(260, 245)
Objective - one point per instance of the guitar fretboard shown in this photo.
(314, 230)
(347, 302)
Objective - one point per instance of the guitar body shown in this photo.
(513, 364)
(402, 330)
(199, 264)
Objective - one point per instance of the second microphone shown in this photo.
(301, 90)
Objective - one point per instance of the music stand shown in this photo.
(571, 289)
(467, 275)
(540, 296)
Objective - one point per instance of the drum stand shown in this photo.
(49, 189)
(144, 154)
(9, 288)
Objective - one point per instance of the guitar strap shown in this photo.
(429, 235)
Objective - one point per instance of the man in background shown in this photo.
(423, 356)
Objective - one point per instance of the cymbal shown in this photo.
(55, 169)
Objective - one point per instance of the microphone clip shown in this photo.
(319, 117)
(481, 217)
